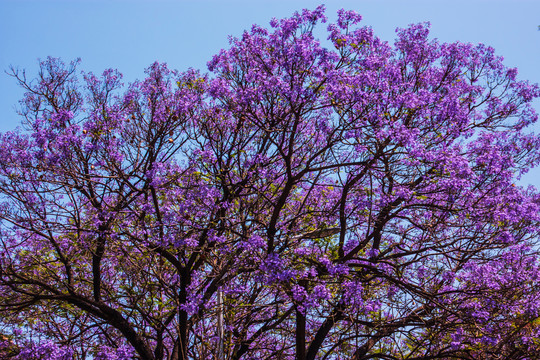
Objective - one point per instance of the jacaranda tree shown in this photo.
(297, 202)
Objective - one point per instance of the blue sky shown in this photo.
(129, 35)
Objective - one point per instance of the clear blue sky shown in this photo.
(129, 35)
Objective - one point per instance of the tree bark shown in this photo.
(300, 335)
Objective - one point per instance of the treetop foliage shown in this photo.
(296, 202)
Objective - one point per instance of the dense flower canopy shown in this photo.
(296, 202)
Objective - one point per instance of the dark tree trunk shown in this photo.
(300, 335)
(183, 316)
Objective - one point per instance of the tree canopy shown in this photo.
(296, 202)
